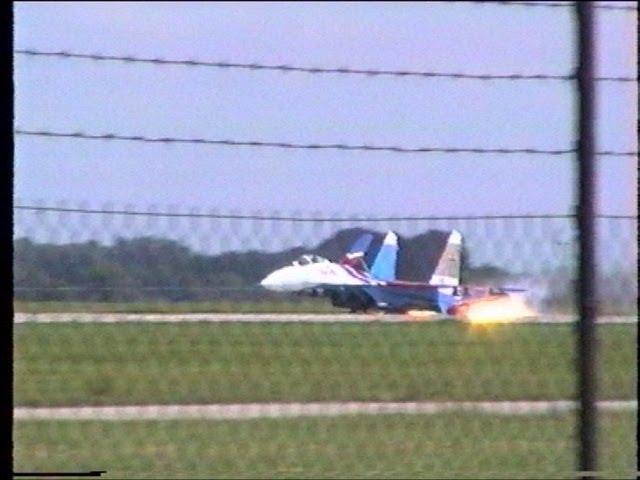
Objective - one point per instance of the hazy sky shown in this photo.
(114, 97)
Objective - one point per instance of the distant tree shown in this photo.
(155, 268)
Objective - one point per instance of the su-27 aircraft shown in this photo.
(351, 284)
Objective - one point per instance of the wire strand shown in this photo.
(353, 218)
(313, 70)
(308, 146)
(601, 6)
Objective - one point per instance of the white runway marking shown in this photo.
(270, 317)
(291, 410)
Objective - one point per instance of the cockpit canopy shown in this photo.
(308, 259)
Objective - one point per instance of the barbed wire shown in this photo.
(604, 6)
(313, 70)
(601, 6)
(352, 218)
(310, 146)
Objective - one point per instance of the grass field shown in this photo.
(104, 364)
(303, 305)
(401, 446)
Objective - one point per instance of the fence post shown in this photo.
(6, 259)
(586, 288)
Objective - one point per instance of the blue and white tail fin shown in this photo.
(361, 245)
(384, 266)
(355, 257)
(447, 272)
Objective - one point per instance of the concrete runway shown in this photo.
(292, 410)
(275, 318)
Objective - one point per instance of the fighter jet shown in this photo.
(350, 283)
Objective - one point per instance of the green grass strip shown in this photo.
(121, 364)
(394, 446)
(303, 305)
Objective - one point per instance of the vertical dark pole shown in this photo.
(6, 239)
(586, 291)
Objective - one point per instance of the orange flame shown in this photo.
(498, 310)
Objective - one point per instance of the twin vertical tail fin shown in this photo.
(447, 272)
(384, 266)
(360, 246)
(355, 257)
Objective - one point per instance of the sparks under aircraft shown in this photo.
(351, 284)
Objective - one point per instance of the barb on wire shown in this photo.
(309, 146)
(352, 218)
(313, 70)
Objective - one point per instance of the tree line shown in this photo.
(154, 268)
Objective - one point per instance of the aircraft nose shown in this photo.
(282, 280)
(270, 282)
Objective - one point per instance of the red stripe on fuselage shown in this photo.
(356, 274)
